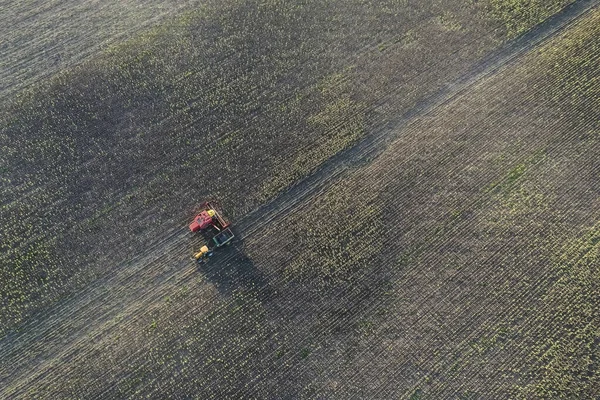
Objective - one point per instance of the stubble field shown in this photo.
(461, 262)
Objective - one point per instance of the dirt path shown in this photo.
(376, 142)
(168, 263)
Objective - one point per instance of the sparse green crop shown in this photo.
(336, 238)
(567, 325)
(337, 125)
(518, 16)
(235, 101)
(450, 265)
(574, 64)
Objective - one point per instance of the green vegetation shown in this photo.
(236, 101)
(518, 16)
(566, 357)
(564, 360)
(451, 265)
(515, 174)
(574, 64)
(339, 124)
(337, 237)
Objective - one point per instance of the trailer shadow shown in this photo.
(230, 269)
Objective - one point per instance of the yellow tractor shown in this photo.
(203, 255)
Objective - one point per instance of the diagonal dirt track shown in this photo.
(376, 142)
(331, 171)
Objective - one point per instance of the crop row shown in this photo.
(217, 103)
(413, 272)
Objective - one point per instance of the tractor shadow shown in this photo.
(230, 270)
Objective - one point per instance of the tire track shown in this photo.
(377, 303)
(574, 132)
(365, 150)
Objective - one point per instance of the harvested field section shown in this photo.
(39, 38)
(235, 102)
(433, 271)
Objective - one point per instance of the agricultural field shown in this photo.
(415, 189)
(103, 152)
(40, 38)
